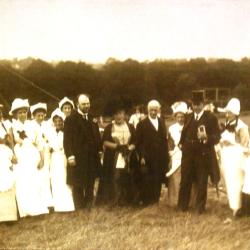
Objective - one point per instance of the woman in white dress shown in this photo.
(66, 106)
(62, 193)
(28, 162)
(174, 133)
(39, 133)
(234, 145)
(8, 209)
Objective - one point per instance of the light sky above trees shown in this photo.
(94, 30)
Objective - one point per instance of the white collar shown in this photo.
(154, 122)
(198, 115)
(81, 113)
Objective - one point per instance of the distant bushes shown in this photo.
(166, 80)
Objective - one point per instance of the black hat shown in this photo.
(117, 104)
(197, 98)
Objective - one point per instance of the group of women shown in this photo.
(33, 163)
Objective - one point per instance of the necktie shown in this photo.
(196, 117)
(85, 116)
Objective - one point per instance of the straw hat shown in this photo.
(19, 103)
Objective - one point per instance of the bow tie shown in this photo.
(58, 130)
(22, 134)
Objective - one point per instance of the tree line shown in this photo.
(137, 82)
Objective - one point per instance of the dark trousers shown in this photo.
(83, 195)
(194, 168)
(150, 188)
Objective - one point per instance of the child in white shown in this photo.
(61, 192)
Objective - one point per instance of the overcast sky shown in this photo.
(94, 30)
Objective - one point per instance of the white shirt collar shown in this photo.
(81, 113)
(154, 122)
(198, 116)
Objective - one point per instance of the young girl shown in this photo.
(8, 209)
(234, 143)
(62, 194)
(39, 129)
(28, 162)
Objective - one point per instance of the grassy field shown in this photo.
(155, 227)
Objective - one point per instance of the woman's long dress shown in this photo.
(232, 162)
(26, 172)
(175, 172)
(117, 185)
(39, 138)
(8, 209)
(61, 192)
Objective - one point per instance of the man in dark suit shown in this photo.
(152, 148)
(199, 135)
(82, 145)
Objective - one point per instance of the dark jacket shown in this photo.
(106, 185)
(152, 145)
(82, 140)
(109, 154)
(210, 122)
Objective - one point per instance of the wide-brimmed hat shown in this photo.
(57, 112)
(19, 103)
(232, 106)
(116, 104)
(179, 107)
(40, 105)
(64, 101)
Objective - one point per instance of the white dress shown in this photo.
(8, 209)
(39, 135)
(26, 172)
(136, 118)
(61, 192)
(174, 173)
(232, 162)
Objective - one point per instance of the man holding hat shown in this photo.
(199, 135)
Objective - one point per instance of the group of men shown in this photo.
(83, 148)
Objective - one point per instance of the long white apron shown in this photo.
(61, 192)
(27, 184)
(232, 159)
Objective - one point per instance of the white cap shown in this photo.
(66, 100)
(179, 107)
(154, 103)
(57, 112)
(37, 106)
(233, 106)
(19, 103)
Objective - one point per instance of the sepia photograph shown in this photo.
(124, 124)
